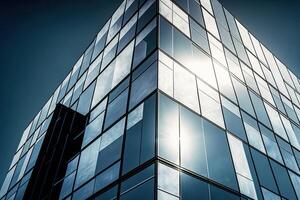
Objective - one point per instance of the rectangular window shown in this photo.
(196, 12)
(109, 53)
(146, 42)
(282, 177)
(181, 20)
(165, 78)
(116, 108)
(87, 163)
(224, 82)
(290, 132)
(100, 40)
(110, 146)
(168, 129)
(245, 36)
(270, 144)
(67, 186)
(269, 195)
(140, 135)
(165, 36)
(123, 64)
(113, 74)
(107, 177)
(242, 168)
(225, 36)
(143, 85)
(116, 22)
(233, 119)
(175, 15)
(168, 179)
(103, 84)
(264, 171)
(109, 194)
(260, 109)
(146, 13)
(243, 97)
(185, 88)
(199, 35)
(258, 49)
(143, 191)
(255, 64)
(264, 89)
(127, 33)
(189, 185)
(192, 142)
(253, 133)
(241, 51)
(217, 50)
(139, 186)
(210, 103)
(85, 100)
(216, 157)
(86, 59)
(92, 130)
(182, 48)
(130, 9)
(201, 65)
(93, 71)
(85, 191)
(6, 182)
(78, 88)
(234, 65)
(276, 121)
(210, 23)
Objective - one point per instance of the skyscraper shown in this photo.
(171, 100)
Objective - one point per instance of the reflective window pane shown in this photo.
(168, 129)
(220, 165)
(188, 188)
(192, 142)
(168, 179)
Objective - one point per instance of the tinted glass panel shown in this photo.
(219, 194)
(168, 129)
(264, 170)
(220, 165)
(192, 188)
(192, 142)
(283, 181)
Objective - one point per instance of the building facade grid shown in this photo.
(181, 102)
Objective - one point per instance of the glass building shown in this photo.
(172, 100)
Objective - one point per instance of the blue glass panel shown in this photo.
(67, 186)
(234, 124)
(220, 165)
(149, 129)
(107, 177)
(264, 171)
(85, 191)
(195, 11)
(132, 147)
(108, 195)
(165, 36)
(143, 85)
(116, 109)
(137, 178)
(192, 188)
(168, 129)
(192, 142)
(144, 191)
(283, 181)
(219, 194)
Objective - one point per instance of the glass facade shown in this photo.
(177, 101)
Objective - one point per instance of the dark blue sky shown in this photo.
(41, 40)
